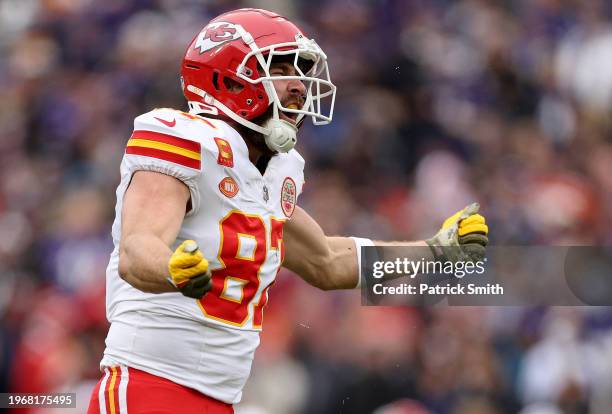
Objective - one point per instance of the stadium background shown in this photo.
(439, 103)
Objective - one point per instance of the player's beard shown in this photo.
(252, 138)
(256, 139)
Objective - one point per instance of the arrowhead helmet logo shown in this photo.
(216, 34)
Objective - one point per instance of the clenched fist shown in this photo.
(189, 271)
(463, 237)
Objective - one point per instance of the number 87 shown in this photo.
(242, 272)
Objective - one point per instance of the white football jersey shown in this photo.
(236, 217)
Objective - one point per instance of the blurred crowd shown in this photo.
(439, 103)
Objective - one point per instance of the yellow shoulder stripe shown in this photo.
(137, 142)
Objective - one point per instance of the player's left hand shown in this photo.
(189, 271)
(463, 237)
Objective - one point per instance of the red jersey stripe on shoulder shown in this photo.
(168, 139)
(164, 155)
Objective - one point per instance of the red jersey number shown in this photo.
(242, 252)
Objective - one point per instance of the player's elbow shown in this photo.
(127, 275)
(314, 273)
(327, 285)
(125, 264)
(123, 268)
(320, 281)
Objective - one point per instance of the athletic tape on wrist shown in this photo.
(360, 242)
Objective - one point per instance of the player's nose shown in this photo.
(296, 87)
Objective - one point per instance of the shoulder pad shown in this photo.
(160, 134)
(297, 157)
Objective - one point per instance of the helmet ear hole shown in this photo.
(215, 80)
(232, 85)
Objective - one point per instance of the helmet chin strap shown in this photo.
(279, 135)
(282, 136)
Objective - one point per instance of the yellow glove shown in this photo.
(189, 270)
(463, 236)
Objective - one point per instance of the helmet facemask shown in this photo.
(311, 69)
(310, 66)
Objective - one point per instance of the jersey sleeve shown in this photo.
(159, 144)
(298, 163)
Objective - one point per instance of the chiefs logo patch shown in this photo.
(216, 34)
(228, 187)
(288, 196)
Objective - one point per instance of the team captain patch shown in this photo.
(226, 156)
(166, 147)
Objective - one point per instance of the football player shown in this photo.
(207, 213)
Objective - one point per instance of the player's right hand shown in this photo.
(189, 271)
(463, 237)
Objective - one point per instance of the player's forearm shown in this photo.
(417, 243)
(143, 263)
(325, 262)
(328, 264)
(411, 250)
(343, 272)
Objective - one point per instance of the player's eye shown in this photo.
(277, 71)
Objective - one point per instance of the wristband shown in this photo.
(359, 243)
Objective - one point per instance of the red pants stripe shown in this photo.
(124, 390)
